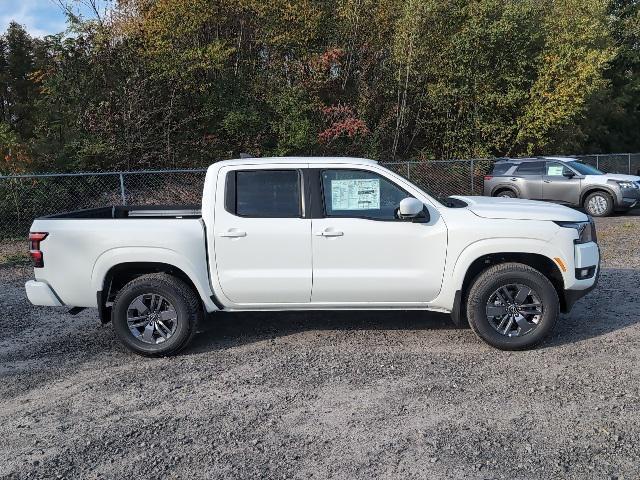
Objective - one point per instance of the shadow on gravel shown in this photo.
(611, 306)
(630, 213)
(225, 330)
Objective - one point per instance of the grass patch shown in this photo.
(14, 260)
(14, 253)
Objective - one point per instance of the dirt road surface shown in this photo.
(327, 395)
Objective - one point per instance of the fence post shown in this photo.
(598, 162)
(408, 171)
(629, 163)
(472, 177)
(122, 192)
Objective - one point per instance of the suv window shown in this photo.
(501, 168)
(555, 169)
(360, 194)
(264, 193)
(531, 168)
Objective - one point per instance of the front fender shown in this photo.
(455, 275)
(197, 273)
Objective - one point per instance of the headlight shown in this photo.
(586, 230)
(624, 184)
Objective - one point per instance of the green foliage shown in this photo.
(169, 83)
(294, 125)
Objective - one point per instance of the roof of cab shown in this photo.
(285, 160)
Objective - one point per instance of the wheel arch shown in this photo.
(122, 273)
(504, 186)
(538, 261)
(481, 254)
(598, 188)
(116, 267)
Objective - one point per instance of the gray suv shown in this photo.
(563, 180)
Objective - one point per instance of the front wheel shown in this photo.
(512, 306)
(156, 315)
(599, 204)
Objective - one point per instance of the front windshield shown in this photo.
(584, 169)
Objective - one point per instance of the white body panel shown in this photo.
(40, 293)
(79, 253)
(280, 264)
(269, 263)
(379, 262)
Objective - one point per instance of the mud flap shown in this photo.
(457, 312)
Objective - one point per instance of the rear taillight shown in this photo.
(34, 248)
(488, 177)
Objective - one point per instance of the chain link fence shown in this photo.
(25, 197)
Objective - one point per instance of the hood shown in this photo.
(519, 209)
(613, 176)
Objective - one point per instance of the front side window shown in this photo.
(360, 194)
(264, 193)
(555, 169)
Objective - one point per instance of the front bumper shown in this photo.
(40, 293)
(629, 198)
(586, 255)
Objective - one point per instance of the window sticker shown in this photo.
(356, 194)
(555, 170)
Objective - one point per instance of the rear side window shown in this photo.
(264, 193)
(531, 168)
(501, 168)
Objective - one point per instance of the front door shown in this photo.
(560, 184)
(363, 253)
(262, 240)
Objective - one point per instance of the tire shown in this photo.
(532, 327)
(506, 194)
(598, 204)
(173, 312)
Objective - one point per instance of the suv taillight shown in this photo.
(34, 248)
(488, 177)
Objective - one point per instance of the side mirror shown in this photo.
(568, 174)
(412, 209)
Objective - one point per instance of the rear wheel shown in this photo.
(599, 204)
(156, 315)
(512, 306)
(506, 194)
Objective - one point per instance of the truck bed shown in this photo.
(133, 211)
(82, 246)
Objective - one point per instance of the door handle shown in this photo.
(514, 179)
(547, 181)
(233, 234)
(329, 233)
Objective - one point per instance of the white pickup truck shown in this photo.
(316, 233)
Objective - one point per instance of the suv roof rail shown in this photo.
(520, 160)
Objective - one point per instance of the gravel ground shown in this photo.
(340, 395)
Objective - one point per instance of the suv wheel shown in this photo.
(598, 204)
(156, 315)
(506, 194)
(512, 306)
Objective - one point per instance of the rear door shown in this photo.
(559, 187)
(262, 238)
(528, 178)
